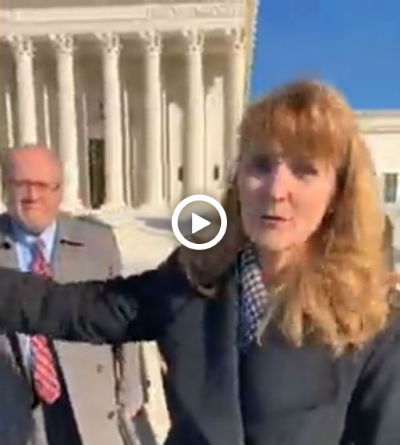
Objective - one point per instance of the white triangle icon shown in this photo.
(198, 223)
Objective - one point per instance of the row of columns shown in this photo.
(194, 168)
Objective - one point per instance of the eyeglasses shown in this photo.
(41, 187)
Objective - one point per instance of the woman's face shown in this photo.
(283, 200)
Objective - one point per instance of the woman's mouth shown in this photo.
(275, 220)
(271, 217)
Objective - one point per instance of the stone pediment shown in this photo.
(120, 18)
(18, 4)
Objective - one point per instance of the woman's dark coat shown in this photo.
(274, 394)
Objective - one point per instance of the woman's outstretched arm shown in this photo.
(113, 311)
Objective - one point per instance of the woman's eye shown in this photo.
(304, 169)
(260, 165)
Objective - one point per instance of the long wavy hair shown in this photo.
(337, 296)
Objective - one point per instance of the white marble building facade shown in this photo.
(381, 130)
(141, 100)
(144, 95)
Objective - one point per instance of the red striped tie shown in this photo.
(45, 379)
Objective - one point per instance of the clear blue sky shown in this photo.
(354, 44)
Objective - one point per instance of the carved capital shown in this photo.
(110, 43)
(194, 40)
(22, 46)
(153, 42)
(63, 43)
(237, 38)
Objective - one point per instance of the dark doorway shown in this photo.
(96, 172)
(388, 243)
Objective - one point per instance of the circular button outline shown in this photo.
(189, 244)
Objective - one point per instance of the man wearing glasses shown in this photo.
(80, 394)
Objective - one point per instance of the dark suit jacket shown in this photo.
(275, 394)
(15, 407)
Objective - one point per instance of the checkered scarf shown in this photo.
(254, 298)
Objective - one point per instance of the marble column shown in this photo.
(46, 115)
(127, 153)
(194, 156)
(234, 91)
(67, 124)
(23, 51)
(153, 165)
(9, 118)
(114, 192)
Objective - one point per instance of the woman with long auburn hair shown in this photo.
(326, 257)
(282, 334)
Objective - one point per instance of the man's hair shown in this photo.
(8, 154)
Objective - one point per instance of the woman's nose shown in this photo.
(279, 181)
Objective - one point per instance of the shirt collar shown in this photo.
(28, 239)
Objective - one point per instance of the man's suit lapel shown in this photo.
(61, 263)
(66, 252)
(59, 260)
(82, 364)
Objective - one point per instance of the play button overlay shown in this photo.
(199, 222)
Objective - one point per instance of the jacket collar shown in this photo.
(68, 233)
